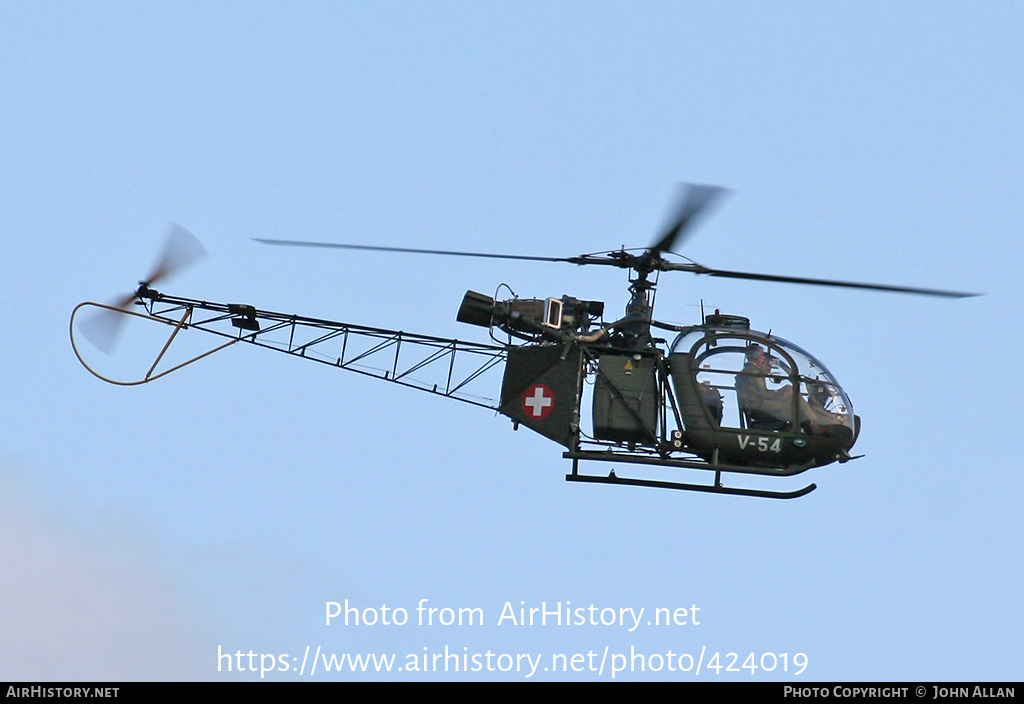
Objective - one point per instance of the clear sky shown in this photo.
(145, 530)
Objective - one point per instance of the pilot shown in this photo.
(755, 396)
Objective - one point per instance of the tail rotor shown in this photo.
(181, 249)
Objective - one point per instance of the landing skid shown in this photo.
(715, 488)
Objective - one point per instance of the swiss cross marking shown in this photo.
(538, 402)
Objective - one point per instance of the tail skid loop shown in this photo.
(151, 374)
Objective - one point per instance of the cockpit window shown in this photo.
(752, 381)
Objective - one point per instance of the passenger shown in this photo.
(713, 400)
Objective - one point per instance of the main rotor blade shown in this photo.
(698, 269)
(333, 245)
(630, 262)
(692, 200)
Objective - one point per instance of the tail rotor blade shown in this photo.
(181, 249)
(103, 328)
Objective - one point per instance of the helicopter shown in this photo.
(721, 397)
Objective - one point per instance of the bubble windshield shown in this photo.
(747, 379)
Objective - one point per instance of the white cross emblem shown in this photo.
(538, 401)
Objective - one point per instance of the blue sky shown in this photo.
(222, 507)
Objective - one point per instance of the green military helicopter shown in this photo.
(720, 398)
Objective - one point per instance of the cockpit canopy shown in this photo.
(747, 379)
